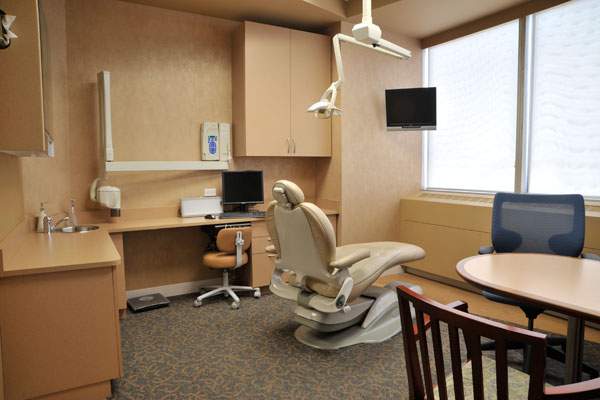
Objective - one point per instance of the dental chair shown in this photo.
(337, 306)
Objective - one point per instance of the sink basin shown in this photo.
(77, 229)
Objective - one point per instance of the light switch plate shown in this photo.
(210, 192)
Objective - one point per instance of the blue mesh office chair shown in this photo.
(531, 223)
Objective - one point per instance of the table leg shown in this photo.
(574, 358)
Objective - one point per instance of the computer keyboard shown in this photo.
(238, 214)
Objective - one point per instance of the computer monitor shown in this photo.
(243, 188)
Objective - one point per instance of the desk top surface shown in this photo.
(565, 284)
(162, 221)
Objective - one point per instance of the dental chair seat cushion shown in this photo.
(383, 256)
(222, 260)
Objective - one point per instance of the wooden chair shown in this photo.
(476, 376)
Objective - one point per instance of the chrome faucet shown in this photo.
(49, 227)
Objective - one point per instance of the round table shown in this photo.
(567, 285)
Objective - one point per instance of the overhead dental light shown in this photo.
(366, 34)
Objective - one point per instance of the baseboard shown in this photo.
(176, 289)
(394, 270)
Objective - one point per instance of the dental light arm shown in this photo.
(366, 34)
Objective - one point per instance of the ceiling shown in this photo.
(414, 18)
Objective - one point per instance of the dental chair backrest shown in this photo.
(302, 236)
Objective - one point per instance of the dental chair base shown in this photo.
(378, 309)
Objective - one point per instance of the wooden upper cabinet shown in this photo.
(311, 76)
(24, 128)
(277, 74)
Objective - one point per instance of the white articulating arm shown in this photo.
(105, 120)
(366, 34)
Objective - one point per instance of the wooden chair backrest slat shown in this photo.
(439, 359)
(502, 368)
(457, 377)
(424, 354)
(416, 389)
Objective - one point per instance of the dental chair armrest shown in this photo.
(351, 259)
(271, 249)
(332, 305)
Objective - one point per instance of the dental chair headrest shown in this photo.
(287, 193)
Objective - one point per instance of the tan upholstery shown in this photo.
(304, 241)
(226, 239)
(226, 257)
(220, 259)
(293, 194)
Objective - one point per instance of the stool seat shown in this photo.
(221, 259)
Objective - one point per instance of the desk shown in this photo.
(565, 284)
(140, 275)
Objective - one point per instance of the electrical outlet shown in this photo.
(210, 192)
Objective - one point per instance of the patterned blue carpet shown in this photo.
(214, 352)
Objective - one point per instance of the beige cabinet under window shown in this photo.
(277, 74)
(28, 71)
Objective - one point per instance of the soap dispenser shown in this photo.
(72, 215)
(41, 217)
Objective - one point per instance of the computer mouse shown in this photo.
(210, 216)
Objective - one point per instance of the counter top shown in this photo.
(25, 252)
(40, 253)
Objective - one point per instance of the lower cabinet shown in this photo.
(60, 335)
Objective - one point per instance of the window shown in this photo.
(477, 138)
(565, 101)
(473, 147)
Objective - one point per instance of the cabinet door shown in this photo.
(65, 338)
(267, 89)
(21, 109)
(310, 77)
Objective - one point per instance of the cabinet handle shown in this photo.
(294, 145)
(288, 140)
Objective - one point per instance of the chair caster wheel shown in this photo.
(257, 294)
(235, 305)
(197, 303)
(225, 294)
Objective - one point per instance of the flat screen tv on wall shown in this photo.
(410, 109)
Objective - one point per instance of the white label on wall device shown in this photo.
(210, 141)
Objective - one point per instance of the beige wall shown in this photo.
(170, 71)
(11, 194)
(374, 168)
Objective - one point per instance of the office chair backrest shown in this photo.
(226, 239)
(456, 318)
(302, 235)
(530, 223)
